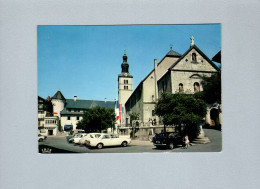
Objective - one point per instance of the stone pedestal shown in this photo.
(201, 139)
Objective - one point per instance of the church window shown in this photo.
(126, 87)
(68, 117)
(196, 87)
(180, 87)
(163, 86)
(125, 81)
(194, 57)
(77, 117)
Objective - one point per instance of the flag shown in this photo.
(117, 110)
(120, 112)
(123, 113)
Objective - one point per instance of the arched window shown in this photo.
(194, 57)
(180, 87)
(164, 86)
(196, 87)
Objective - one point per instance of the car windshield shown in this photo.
(105, 137)
(161, 135)
(113, 136)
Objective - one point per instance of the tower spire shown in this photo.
(125, 65)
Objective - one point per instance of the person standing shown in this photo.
(186, 141)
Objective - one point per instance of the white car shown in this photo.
(41, 138)
(74, 136)
(82, 141)
(107, 140)
(76, 139)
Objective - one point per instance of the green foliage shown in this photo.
(181, 110)
(134, 128)
(97, 119)
(211, 88)
(134, 116)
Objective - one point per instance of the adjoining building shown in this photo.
(143, 99)
(174, 73)
(47, 122)
(66, 113)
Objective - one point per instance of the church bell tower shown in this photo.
(125, 86)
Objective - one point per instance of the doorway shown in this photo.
(50, 132)
(214, 117)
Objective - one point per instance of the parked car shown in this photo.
(75, 135)
(107, 140)
(82, 141)
(78, 137)
(41, 138)
(167, 140)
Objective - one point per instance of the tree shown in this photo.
(183, 111)
(134, 116)
(97, 119)
(211, 89)
(135, 128)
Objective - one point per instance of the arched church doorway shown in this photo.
(214, 117)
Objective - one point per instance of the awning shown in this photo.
(68, 127)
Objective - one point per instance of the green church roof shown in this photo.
(173, 54)
(84, 104)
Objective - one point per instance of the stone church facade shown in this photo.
(174, 73)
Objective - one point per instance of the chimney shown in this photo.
(75, 98)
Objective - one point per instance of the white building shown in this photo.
(66, 113)
(47, 123)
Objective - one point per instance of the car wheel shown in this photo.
(40, 140)
(171, 146)
(100, 146)
(124, 144)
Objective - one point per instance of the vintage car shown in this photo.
(107, 140)
(71, 138)
(167, 140)
(76, 139)
(82, 141)
(41, 138)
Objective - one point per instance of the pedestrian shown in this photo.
(154, 121)
(150, 121)
(186, 141)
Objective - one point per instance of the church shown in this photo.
(174, 73)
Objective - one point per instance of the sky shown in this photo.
(85, 61)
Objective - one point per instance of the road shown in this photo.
(60, 145)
